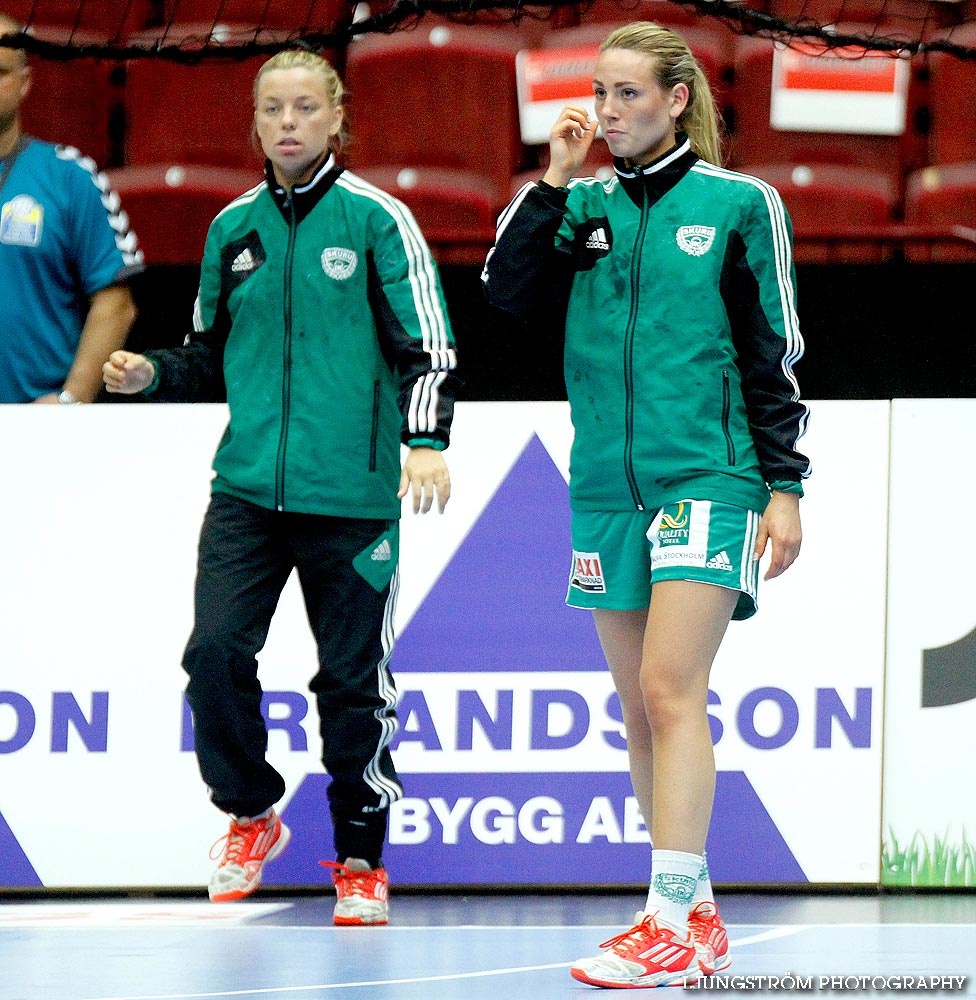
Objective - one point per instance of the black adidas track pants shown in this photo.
(245, 557)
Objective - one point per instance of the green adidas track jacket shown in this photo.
(321, 320)
(677, 285)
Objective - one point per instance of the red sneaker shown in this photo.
(363, 895)
(647, 955)
(247, 847)
(709, 933)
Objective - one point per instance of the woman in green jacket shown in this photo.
(676, 280)
(321, 320)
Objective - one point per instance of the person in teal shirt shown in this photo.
(66, 254)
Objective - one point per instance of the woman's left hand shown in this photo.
(425, 473)
(780, 525)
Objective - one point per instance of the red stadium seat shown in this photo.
(532, 21)
(72, 102)
(952, 98)
(840, 214)
(755, 140)
(943, 198)
(623, 11)
(171, 206)
(441, 97)
(434, 119)
(905, 19)
(191, 114)
(824, 12)
(320, 15)
(451, 207)
(103, 18)
(844, 189)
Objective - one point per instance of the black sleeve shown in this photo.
(194, 373)
(767, 349)
(524, 272)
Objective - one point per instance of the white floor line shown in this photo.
(275, 990)
(786, 930)
(771, 934)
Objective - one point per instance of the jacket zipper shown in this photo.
(726, 409)
(375, 426)
(286, 357)
(635, 267)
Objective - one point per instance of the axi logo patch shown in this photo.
(588, 573)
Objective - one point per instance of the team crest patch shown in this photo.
(21, 222)
(677, 888)
(695, 240)
(588, 573)
(339, 263)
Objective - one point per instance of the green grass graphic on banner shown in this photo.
(916, 862)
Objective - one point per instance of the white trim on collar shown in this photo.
(665, 161)
(319, 174)
(322, 171)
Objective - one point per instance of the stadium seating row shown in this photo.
(435, 119)
(118, 20)
(106, 19)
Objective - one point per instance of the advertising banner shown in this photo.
(510, 748)
(849, 89)
(548, 80)
(930, 701)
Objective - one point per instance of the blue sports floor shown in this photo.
(446, 947)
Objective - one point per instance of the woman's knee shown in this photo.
(670, 700)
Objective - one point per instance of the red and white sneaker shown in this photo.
(363, 893)
(649, 954)
(711, 937)
(247, 847)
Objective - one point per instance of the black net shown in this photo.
(190, 31)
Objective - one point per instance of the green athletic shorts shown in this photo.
(618, 556)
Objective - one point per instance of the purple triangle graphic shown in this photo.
(744, 844)
(16, 869)
(500, 603)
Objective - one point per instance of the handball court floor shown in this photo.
(459, 947)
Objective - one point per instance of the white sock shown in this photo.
(250, 819)
(704, 892)
(674, 878)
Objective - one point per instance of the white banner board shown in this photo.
(930, 701)
(510, 740)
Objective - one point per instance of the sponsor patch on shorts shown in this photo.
(679, 534)
(588, 573)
